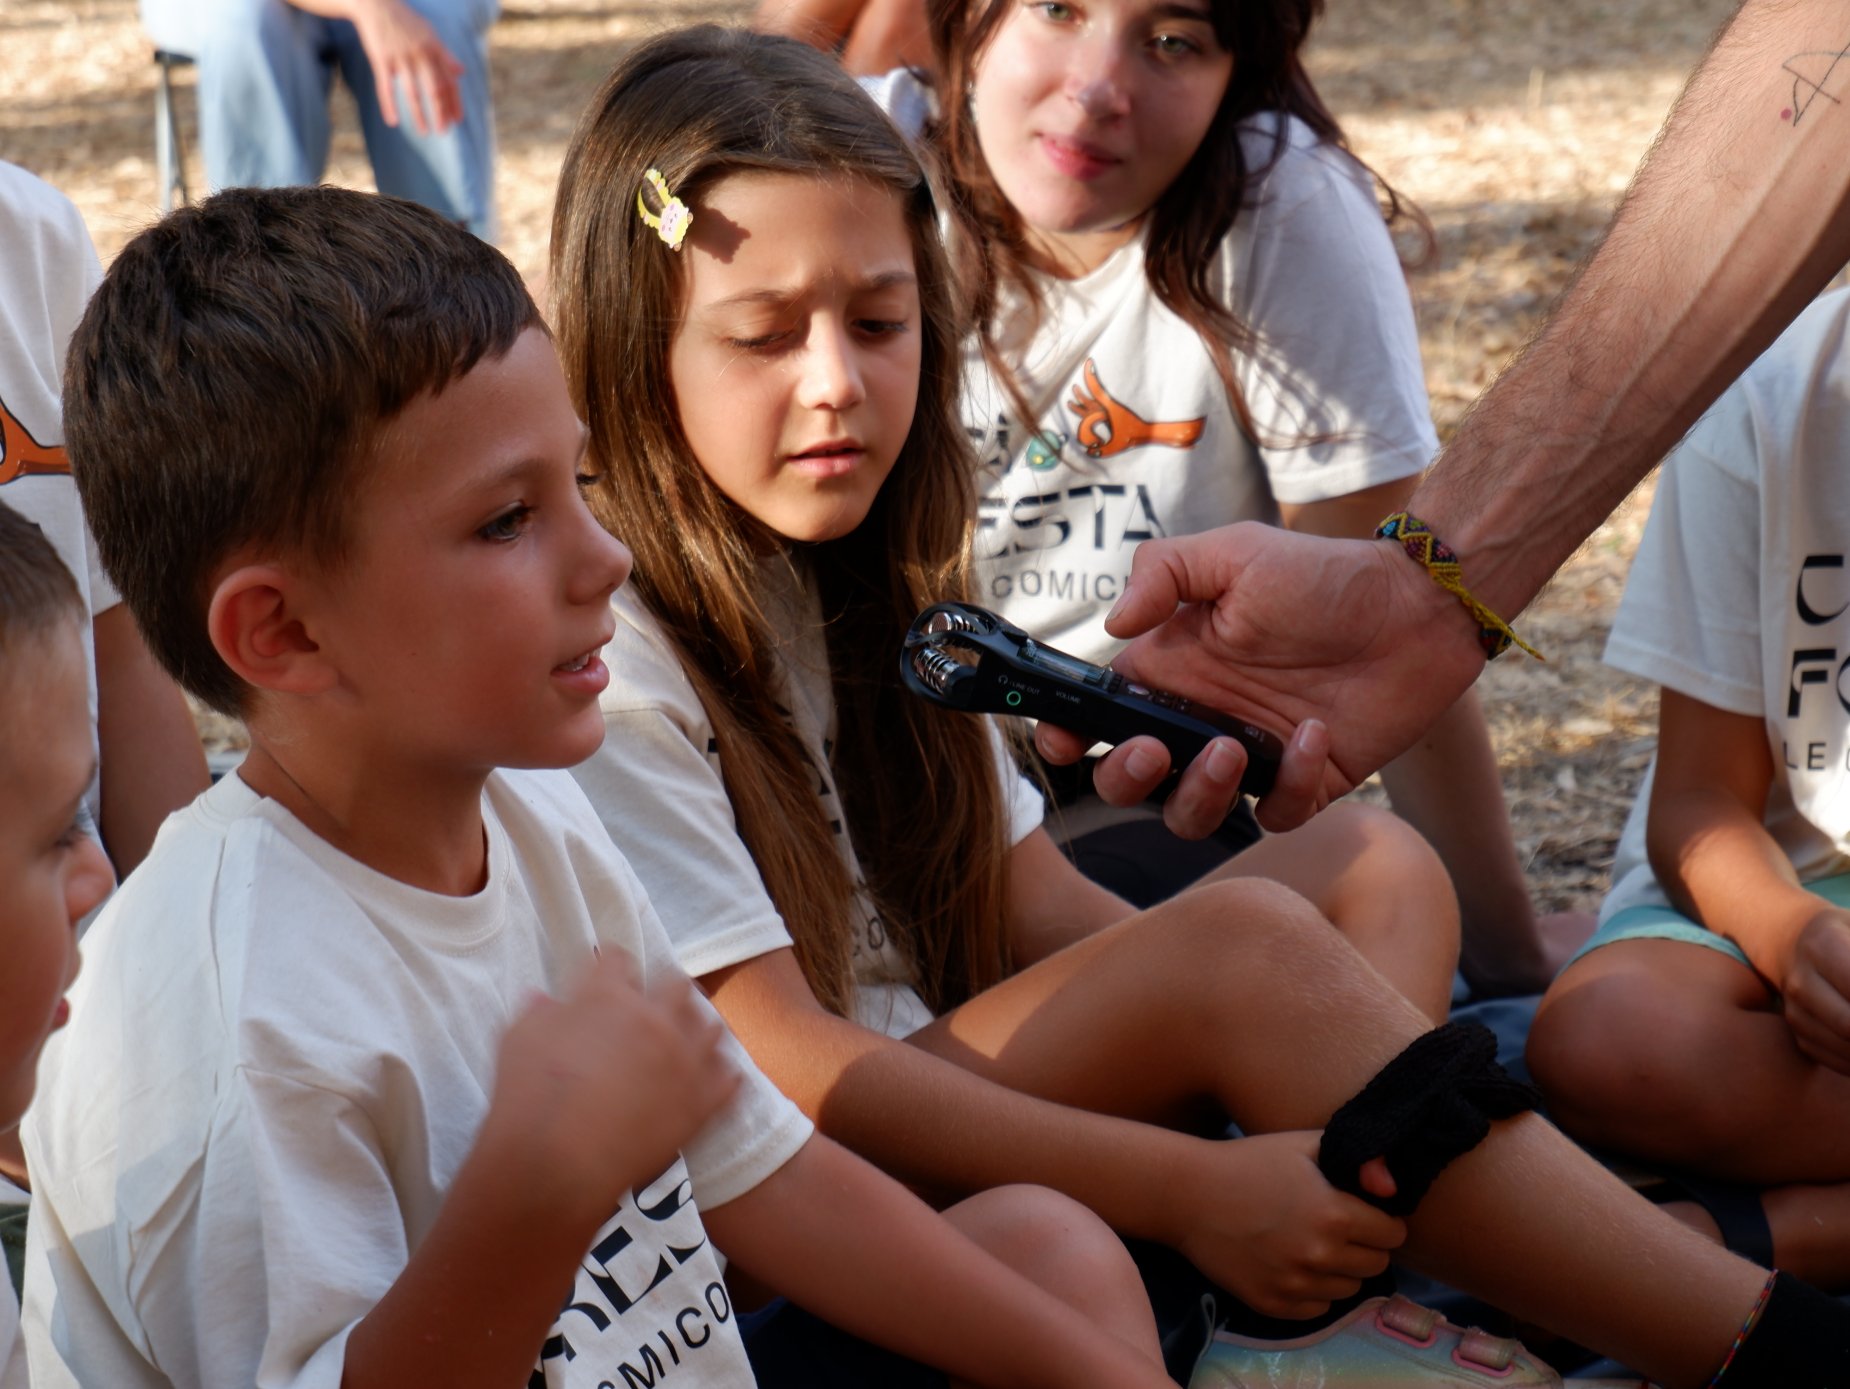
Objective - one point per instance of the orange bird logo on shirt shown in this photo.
(23, 456)
(1108, 427)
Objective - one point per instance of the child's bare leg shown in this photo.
(1379, 883)
(1064, 1248)
(1239, 993)
(1672, 1052)
(1811, 1232)
(1809, 1226)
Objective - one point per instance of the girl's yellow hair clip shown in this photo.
(672, 222)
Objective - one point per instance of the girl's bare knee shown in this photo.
(1627, 1065)
(1227, 938)
(1390, 856)
(1059, 1244)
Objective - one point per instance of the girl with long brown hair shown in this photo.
(755, 320)
(1189, 312)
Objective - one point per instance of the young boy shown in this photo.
(51, 872)
(317, 1122)
(1706, 1026)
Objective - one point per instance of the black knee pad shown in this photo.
(1432, 1103)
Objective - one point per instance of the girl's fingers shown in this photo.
(1377, 1181)
(1358, 1262)
(1374, 1229)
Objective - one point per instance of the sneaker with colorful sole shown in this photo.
(1385, 1343)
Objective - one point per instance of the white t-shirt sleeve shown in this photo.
(908, 101)
(1317, 279)
(293, 1175)
(757, 1133)
(1691, 614)
(760, 1130)
(665, 806)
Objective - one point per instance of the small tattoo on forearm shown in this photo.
(1811, 72)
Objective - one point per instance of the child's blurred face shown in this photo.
(1087, 111)
(467, 615)
(51, 873)
(796, 366)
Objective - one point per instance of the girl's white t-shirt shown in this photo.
(657, 785)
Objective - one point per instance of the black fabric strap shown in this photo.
(1429, 1105)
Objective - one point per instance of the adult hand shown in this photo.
(1264, 1223)
(1347, 642)
(400, 43)
(1816, 989)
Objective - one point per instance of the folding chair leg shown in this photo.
(169, 150)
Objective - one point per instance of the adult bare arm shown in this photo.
(1448, 786)
(1738, 216)
(401, 45)
(1734, 221)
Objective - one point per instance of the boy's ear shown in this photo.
(254, 625)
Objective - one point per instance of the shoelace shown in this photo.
(1423, 1325)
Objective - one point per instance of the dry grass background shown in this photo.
(1515, 127)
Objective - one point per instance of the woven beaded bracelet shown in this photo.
(1747, 1327)
(1436, 558)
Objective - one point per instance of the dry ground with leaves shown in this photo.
(1514, 127)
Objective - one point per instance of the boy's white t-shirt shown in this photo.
(657, 785)
(48, 271)
(278, 1059)
(1739, 595)
(1135, 438)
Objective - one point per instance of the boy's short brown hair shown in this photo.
(231, 376)
(36, 590)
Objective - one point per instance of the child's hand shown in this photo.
(1816, 989)
(1270, 1229)
(597, 1092)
